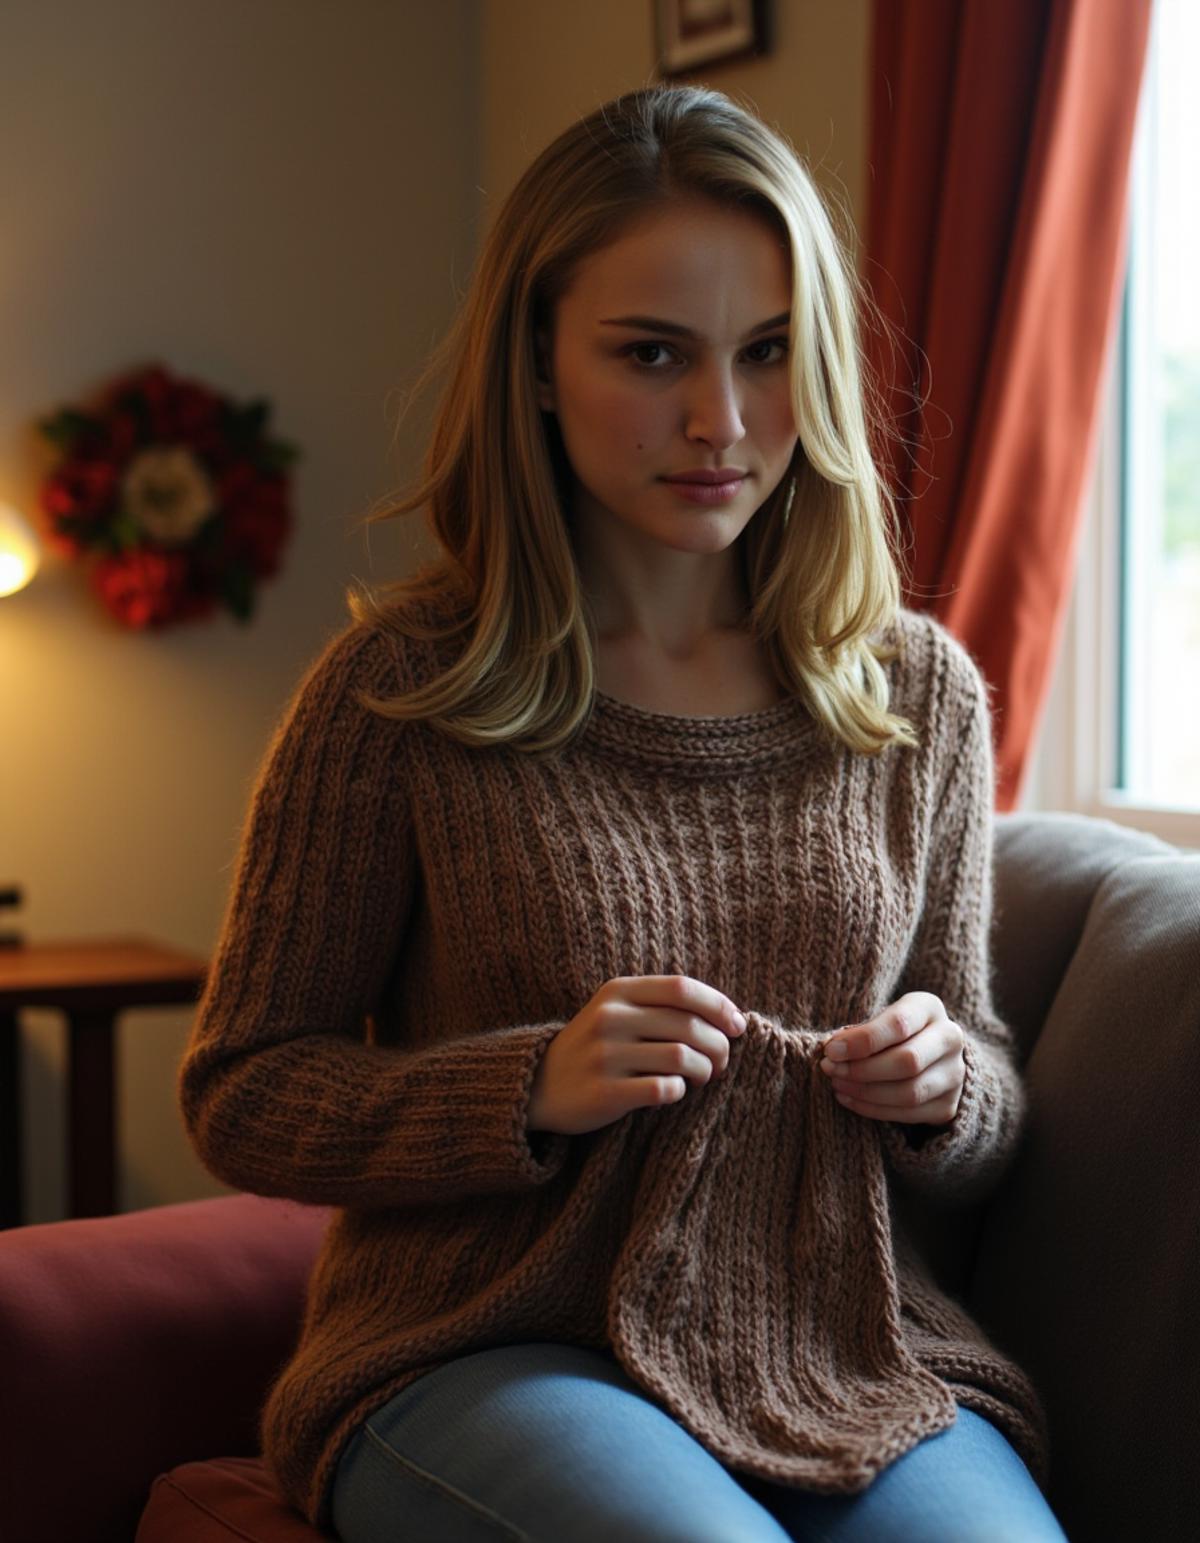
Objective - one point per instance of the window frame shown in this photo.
(1075, 765)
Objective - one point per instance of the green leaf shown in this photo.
(125, 531)
(136, 405)
(237, 590)
(210, 534)
(253, 418)
(66, 427)
(277, 455)
(85, 531)
(246, 425)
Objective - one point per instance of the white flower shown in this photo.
(168, 493)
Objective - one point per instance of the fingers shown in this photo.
(667, 1042)
(896, 1065)
(665, 1031)
(686, 994)
(907, 1016)
(904, 1064)
(938, 1111)
(913, 1095)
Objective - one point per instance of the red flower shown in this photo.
(257, 519)
(197, 414)
(239, 483)
(147, 588)
(81, 488)
(136, 586)
(259, 535)
(122, 435)
(155, 388)
(176, 409)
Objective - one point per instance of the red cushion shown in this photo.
(164, 1326)
(227, 1497)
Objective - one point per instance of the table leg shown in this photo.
(91, 1117)
(11, 1209)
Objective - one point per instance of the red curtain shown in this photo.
(1000, 146)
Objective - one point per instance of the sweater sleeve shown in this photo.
(962, 1161)
(280, 1092)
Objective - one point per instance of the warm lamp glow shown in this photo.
(18, 551)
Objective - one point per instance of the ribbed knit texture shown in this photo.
(410, 924)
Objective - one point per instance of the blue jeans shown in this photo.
(553, 1443)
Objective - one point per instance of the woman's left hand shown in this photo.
(904, 1064)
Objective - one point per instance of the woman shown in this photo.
(648, 836)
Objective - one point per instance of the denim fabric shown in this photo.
(553, 1443)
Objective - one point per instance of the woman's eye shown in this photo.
(772, 343)
(636, 350)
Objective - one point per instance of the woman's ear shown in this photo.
(545, 382)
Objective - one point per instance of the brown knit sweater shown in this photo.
(411, 922)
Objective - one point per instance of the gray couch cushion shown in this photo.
(1088, 1262)
(1047, 868)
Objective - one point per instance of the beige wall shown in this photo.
(546, 63)
(281, 198)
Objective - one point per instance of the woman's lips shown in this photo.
(706, 492)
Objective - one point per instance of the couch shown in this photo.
(135, 1350)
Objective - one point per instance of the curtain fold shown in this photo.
(1000, 148)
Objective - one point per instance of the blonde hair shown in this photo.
(496, 480)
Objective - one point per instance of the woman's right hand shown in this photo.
(635, 1045)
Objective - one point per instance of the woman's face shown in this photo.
(638, 401)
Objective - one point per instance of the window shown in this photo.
(1158, 744)
(1121, 733)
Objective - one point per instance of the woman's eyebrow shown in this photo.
(673, 328)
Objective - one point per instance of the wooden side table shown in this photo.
(90, 981)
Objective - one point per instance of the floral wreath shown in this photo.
(181, 492)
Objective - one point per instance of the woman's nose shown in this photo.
(713, 410)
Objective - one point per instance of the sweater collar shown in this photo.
(707, 746)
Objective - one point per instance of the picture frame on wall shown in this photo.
(692, 35)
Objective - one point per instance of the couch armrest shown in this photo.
(1048, 866)
(141, 1341)
(1088, 1270)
